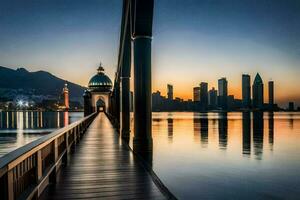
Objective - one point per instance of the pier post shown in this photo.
(125, 107)
(142, 38)
(125, 73)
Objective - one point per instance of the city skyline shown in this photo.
(254, 96)
(201, 40)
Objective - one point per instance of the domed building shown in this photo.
(96, 97)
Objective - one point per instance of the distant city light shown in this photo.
(20, 103)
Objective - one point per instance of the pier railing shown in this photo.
(25, 172)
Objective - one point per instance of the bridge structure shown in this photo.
(91, 158)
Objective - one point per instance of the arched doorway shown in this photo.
(100, 105)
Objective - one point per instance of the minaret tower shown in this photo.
(66, 96)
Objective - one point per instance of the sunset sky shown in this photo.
(193, 41)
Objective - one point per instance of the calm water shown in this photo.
(228, 156)
(19, 128)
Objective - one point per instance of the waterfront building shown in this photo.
(222, 93)
(271, 94)
(291, 106)
(196, 94)
(258, 92)
(204, 95)
(230, 102)
(246, 91)
(170, 91)
(97, 96)
(212, 98)
(66, 96)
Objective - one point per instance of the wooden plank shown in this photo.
(101, 167)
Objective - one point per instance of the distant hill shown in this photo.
(36, 83)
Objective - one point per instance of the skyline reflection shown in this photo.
(254, 146)
(223, 130)
(254, 130)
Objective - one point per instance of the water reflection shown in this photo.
(223, 130)
(246, 133)
(204, 129)
(170, 129)
(261, 148)
(258, 133)
(196, 125)
(19, 128)
(271, 130)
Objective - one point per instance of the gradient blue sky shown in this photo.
(193, 41)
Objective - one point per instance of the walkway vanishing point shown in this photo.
(102, 167)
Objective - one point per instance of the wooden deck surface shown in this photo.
(102, 168)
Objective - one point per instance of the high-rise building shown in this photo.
(258, 92)
(222, 93)
(291, 106)
(246, 91)
(271, 94)
(230, 102)
(196, 94)
(204, 95)
(66, 96)
(212, 98)
(170, 91)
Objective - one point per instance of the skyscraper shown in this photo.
(291, 106)
(271, 94)
(204, 95)
(246, 91)
(170, 91)
(258, 92)
(223, 91)
(196, 94)
(212, 98)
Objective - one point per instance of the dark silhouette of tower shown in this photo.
(223, 91)
(204, 95)
(246, 91)
(170, 91)
(196, 94)
(271, 95)
(212, 98)
(258, 92)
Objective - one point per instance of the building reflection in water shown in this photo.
(246, 133)
(170, 129)
(291, 121)
(66, 118)
(204, 129)
(33, 120)
(223, 130)
(196, 124)
(258, 133)
(271, 129)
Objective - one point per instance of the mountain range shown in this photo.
(40, 83)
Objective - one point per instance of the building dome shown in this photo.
(100, 82)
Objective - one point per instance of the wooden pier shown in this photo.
(101, 167)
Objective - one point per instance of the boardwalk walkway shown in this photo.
(102, 168)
